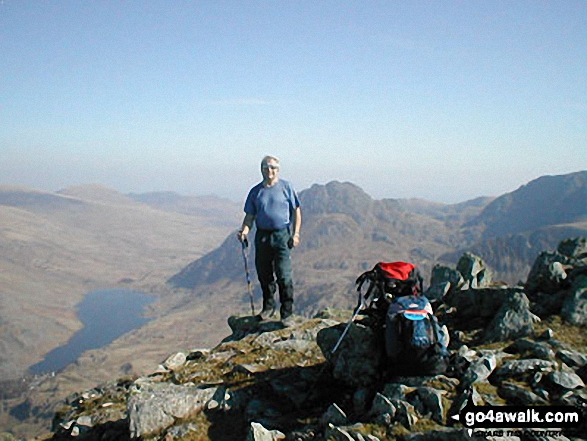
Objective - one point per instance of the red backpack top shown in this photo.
(388, 280)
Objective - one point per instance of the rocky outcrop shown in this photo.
(267, 382)
(557, 282)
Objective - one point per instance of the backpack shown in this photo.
(415, 343)
(388, 280)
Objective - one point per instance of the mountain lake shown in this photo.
(106, 315)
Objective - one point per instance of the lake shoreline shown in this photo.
(106, 315)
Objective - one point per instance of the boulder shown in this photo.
(548, 273)
(531, 349)
(382, 410)
(473, 304)
(175, 361)
(405, 413)
(479, 370)
(574, 309)
(575, 248)
(358, 361)
(443, 274)
(524, 368)
(461, 400)
(428, 401)
(153, 407)
(474, 271)
(564, 380)
(438, 291)
(512, 320)
(572, 358)
(334, 415)
(443, 280)
(519, 395)
(259, 433)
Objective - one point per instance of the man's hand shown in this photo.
(242, 237)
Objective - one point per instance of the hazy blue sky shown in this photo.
(443, 100)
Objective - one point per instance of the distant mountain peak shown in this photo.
(547, 200)
(336, 198)
(96, 193)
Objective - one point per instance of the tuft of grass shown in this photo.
(488, 390)
(574, 336)
(375, 430)
(425, 425)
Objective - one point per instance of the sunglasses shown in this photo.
(270, 166)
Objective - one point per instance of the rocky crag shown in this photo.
(510, 345)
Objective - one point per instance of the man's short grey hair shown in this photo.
(268, 158)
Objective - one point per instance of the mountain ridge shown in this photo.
(62, 245)
(340, 217)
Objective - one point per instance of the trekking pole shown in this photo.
(348, 326)
(346, 329)
(245, 244)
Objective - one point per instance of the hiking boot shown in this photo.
(288, 321)
(266, 314)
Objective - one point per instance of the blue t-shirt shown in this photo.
(272, 206)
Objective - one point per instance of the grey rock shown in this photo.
(518, 395)
(431, 400)
(197, 354)
(153, 407)
(576, 398)
(442, 274)
(259, 433)
(546, 275)
(525, 367)
(564, 380)
(575, 248)
(547, 334)
(358, 360)
(572, 358)
(362, 400)
(395, 391)
(405, 413)
(296, 345)
(291, 388)
(531, 349)
(335, 433)
(542, 393)
(478, 370)
(85, 420)
(474, 271)
(468, 354)
(334, 415)
(310, 331)
(438, 291)
(574, 309)
(382, 410)
(175, 361)
(224, 400)
(477, 304)
(461, 401)
(182, 430)
(241, 326)
(512, 320)
(256, 409)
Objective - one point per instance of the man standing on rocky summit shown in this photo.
(274, 207)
